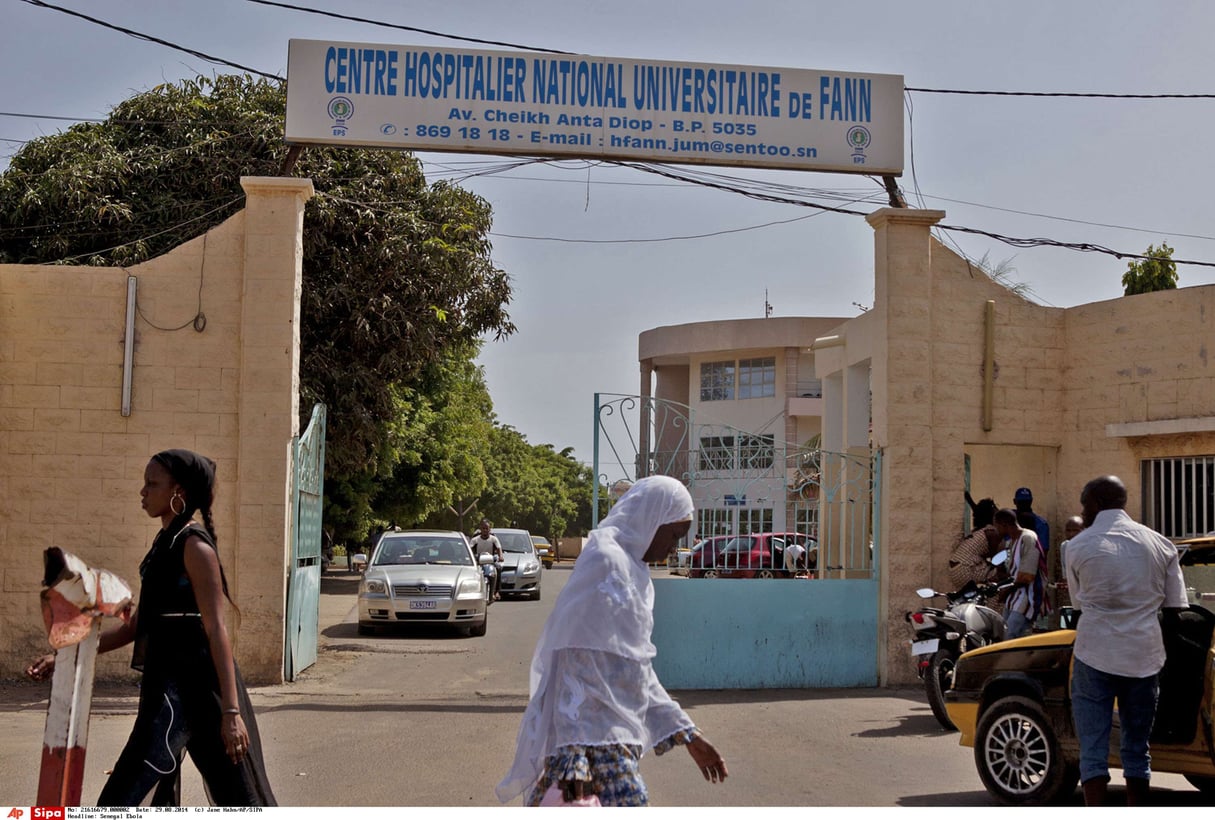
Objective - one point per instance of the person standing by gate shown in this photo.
(1120, 574)
(192, 697)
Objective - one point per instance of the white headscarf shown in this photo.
(608, 606)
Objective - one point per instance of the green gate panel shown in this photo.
(304, 580)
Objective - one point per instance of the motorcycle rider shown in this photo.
(485, 542)
(971, 556)
(1028, 570)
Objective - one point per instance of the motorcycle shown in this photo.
(489, 568)
(942, 635)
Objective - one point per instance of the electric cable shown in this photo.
(149, 38)
(381, 23)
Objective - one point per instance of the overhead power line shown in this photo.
(383, 24)
(1018, 242)
(149, 38)
(1092, 94)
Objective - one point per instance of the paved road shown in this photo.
(423, 718)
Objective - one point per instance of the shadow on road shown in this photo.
(1116, 798)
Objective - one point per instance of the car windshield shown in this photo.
(422, 550)
(515, 541)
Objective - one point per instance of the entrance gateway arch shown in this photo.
(768, 632)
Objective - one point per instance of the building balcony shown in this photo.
(804, 406)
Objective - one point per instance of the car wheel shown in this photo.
(479, 630)
(1018, 755)
(1204, 784)
(765, 573)
(938, 679)
(535, 596)
(710, 573)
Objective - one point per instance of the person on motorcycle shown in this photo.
(1028, 570)
(971, 556)
(485, 542)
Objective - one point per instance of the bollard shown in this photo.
(74, 599)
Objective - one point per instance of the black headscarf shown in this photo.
(195, 473)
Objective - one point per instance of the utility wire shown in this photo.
(1087, 94)
(1018, 242)
(323, 13)
(149, 38)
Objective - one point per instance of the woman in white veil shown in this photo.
(596, 705)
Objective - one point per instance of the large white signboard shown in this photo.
(506, 102)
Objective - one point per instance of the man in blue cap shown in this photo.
(1023, 499)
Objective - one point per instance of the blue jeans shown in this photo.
(1016, 625)
(1093, 694)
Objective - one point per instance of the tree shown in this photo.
(1157, 272)
(397, 275)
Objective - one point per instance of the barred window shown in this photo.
(716, 381)
(754, 520)
(756, 452)
(1179, 495)
(717, 453)
(756, 378)
(715, 521)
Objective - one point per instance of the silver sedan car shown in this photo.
(423, 576)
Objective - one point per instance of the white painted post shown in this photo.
(67, 722)
(74, 599)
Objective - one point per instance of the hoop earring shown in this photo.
(176, 511)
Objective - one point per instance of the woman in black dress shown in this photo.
(192, 697)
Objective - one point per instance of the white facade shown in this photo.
(750, 399)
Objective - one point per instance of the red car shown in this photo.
(762, 555)
(702, 563)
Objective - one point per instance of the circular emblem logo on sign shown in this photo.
(340, 109)
(858, 137)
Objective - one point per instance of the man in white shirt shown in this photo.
(1120, 575)
(484, 542)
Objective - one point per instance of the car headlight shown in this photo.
(530, 566)
(469, 586)
(375, 587)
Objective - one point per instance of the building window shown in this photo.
(715, 522)
(806, 521)
(754, 520)
(717, 453)
(716, 381)
(756, 378)
(756, 452)
(1179, 495)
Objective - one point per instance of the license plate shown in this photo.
(925, 647)
(422, 604)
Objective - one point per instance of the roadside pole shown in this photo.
(74, 599)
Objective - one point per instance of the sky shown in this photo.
(599, 253)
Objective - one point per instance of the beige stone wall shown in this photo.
(71, 465)
(1066, 379)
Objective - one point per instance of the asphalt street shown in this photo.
(423, 718)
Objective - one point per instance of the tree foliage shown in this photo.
(398, 284)
(1157, 272)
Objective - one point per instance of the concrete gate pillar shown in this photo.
(269, 417)
(902, 416)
